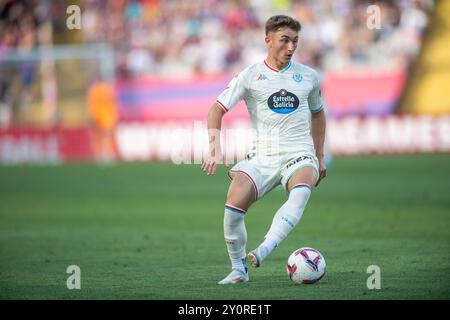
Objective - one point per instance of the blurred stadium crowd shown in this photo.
(163, 52)
(184, 37)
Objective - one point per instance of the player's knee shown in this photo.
(309, 184)
(240, 200)
(241, 193)
(308, 178)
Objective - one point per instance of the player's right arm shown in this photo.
(215, 155)
(233, 93)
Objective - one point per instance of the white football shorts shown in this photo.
(267, 172)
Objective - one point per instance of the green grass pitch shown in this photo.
(154, 231)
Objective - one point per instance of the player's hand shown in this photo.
(209, 165)
(322, 171)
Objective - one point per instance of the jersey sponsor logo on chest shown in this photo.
(283, 102)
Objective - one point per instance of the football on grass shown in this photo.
(306, 266)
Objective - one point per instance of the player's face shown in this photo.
(282, 44)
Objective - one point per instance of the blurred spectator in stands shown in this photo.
(18, 33)
(7, 43)
(104, 116)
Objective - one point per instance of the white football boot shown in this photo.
(254, 257)
(236, 276)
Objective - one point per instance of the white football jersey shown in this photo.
(280, 103)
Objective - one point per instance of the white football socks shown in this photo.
(266, 247)
(235, 236)
(238, 264)
(285, 219)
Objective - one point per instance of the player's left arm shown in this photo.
(318, 126)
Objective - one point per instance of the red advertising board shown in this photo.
(49, 146)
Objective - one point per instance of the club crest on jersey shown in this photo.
(297, 77)
(283, 102)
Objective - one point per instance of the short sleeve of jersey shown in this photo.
(234, 92)
(315, 97)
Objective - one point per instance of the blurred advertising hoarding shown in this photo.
(45, 146)
(165, 120)
(353, 135)
(345, 93)
(187, 142)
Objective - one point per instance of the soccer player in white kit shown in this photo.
(285, 106)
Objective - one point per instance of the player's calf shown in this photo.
(283, 222)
